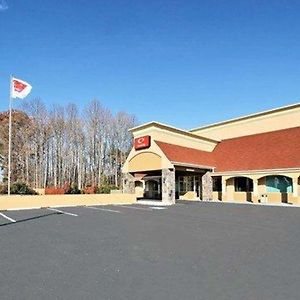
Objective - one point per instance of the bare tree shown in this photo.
(52, 147)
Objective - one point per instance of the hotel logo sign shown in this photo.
(142, 142)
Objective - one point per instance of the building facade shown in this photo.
(255, 158)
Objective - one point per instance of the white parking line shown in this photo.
(24, 208)
(103, 209)
(158, 207)
(134, 207)
(8, 218)
(71, 205)
(62, 212)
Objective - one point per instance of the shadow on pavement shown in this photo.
(30, 219)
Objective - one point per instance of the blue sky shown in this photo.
(184, 63)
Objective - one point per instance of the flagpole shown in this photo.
(9, 138)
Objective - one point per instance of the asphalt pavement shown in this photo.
(187, 251)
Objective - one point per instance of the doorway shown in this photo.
(188, 183)
(153, 188)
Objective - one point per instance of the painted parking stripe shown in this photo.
(103, 209)
(8, 218)
(23, 208)
(62, 212)
(134, 207)
(71, 205)
(158, 207)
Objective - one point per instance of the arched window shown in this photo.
(279, 184)
(243, 184)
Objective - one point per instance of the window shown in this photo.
(138, 184)
(188, 183)
(243, 184)
(279, 184)
(217, 184)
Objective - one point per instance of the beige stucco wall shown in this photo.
(191, 196)
(229, 189)
(217, 196)
(278, 198)
(262, 185)
(184, 140)
(140, 164)
(19, 202)
(242, 197)
(274, 198)
(139, 190)
(145, 161)
(270, 122)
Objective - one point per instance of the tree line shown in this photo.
(61, 145)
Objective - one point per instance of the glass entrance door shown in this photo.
(188, 183)
(153, 189)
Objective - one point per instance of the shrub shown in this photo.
(105, 189)
(3, 189)
(90, 190)
(20, 188)
(73, 190)
(54, 191)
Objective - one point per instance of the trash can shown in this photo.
(264, 198)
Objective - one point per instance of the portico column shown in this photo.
(207, 193)
(128, 184)
(255, 187)
(168, 185)
(223, 186)
(295, 186)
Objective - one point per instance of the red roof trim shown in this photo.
(186, 155)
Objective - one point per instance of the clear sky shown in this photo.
(184, 63)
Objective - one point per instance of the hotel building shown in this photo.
(254, 158)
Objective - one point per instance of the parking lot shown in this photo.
(187, 251)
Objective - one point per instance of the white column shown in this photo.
(194, 187)
(223, 186)
(295, 187)
(255, 187)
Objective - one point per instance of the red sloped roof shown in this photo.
(186, 155)
(271, 150)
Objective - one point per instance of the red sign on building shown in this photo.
(142, 142)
